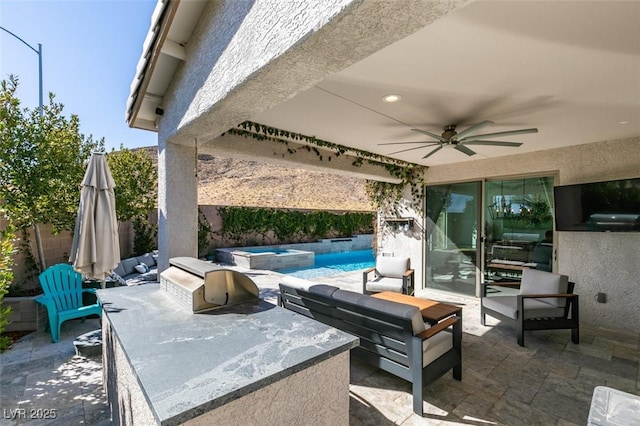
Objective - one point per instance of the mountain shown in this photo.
(229, 181)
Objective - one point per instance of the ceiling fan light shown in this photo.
(391, 98)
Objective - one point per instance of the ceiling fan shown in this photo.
(460, 140)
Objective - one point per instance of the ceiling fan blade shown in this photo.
(464, 149)
(498, 134)
(473, 128)
(411, 149)
(411, 142)
(433, 135)
(433, 152)
(495, 143)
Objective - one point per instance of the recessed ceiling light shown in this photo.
(623, 122)
(391, 98)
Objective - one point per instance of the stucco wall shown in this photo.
(404, 243)
(56, 249)
(247, 56)
(318, 395)
(595, 261)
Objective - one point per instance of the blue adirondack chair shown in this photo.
(62, 297)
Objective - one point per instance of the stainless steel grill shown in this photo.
(200, 286)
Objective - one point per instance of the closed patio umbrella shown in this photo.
(95, 250)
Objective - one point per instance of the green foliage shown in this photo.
(292, 225)
(537, 213)
(144, 236)
(7, 251)
(41, 162)
(136, 181)
(30, 266)
(204, 232)
(385, 196)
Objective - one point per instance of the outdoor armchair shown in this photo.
(545, 301)
(62, 297)
(389, 274)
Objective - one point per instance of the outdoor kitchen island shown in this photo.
(249, 363)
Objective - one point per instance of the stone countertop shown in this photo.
(188, 364)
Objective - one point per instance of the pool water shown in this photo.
(258, 250)
(334, 263)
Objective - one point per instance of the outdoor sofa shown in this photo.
(393, 336)
(137, 270)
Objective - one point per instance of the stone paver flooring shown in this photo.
(548, 382)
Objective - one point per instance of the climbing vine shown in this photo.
(385, 196)
(291, 225)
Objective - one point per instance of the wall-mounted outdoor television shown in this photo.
(610, 206)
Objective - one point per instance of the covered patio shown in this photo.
(308, 86)
(550, 382)
(322, 72)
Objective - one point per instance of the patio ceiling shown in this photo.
(570, 69)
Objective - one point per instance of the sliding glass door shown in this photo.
(514, 219)
(452, 242)
(518, 227)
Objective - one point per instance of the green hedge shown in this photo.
(292, 225)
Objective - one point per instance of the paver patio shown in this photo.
(548, 382)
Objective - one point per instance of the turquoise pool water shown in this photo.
(258, 250)
(334, 263)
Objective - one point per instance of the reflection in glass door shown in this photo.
(518, 227)
(452, 237)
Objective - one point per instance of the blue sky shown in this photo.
(90, 49)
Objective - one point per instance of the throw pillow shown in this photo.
(142, 268)
(117, 278)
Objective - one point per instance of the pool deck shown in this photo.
(548, 382)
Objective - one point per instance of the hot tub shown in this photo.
(270, 258)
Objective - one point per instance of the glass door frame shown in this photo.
(482, 216)
(464, 258)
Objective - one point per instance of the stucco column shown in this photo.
(177, 202)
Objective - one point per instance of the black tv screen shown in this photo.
(599, 206)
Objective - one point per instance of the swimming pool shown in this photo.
(273, 250)
(329, 264)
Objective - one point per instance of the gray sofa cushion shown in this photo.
(147, 259)
(120, 270)
(533, 308)
(391, 308)
(126, 269)
(129, 266)
(137, 279)
(542, 282)
(323, 290)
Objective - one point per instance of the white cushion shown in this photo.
(533, 308)
(541, 282)
(436, 346)
(394, 267)
(141, 268)
(297, 283)
(384, 284)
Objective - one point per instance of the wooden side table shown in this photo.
(431, 310)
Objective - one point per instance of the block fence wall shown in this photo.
(57, 247)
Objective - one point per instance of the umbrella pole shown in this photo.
(103, 283)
